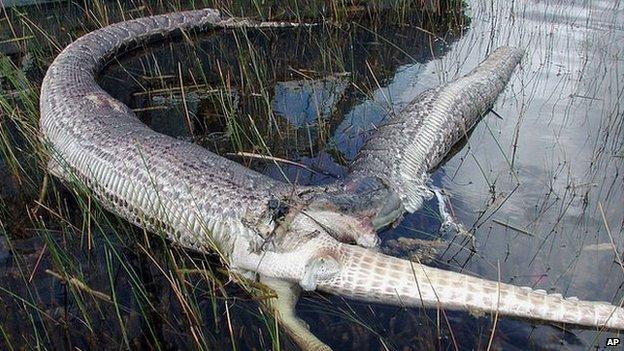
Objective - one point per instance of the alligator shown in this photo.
(288, 237)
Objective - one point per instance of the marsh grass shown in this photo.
(80, 277)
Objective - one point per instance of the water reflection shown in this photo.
(305, 102)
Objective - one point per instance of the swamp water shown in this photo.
(541, 187)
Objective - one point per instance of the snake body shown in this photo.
(206, 202)
(151, 179)
(418, 138)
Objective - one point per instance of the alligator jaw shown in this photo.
(374, 277)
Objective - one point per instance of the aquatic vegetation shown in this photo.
(75, 276)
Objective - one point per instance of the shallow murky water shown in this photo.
(541, 186)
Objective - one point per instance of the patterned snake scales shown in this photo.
(206, 202)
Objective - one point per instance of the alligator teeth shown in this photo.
(540, 291)
(557, 295)
(526, 288)
(572, 298)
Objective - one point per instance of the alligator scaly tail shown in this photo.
(379, 278)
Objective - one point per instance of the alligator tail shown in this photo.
(374, 277)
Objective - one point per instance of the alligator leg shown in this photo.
(284, 309)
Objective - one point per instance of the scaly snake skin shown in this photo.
(151, 179)
(203, 201)
(414, 141)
